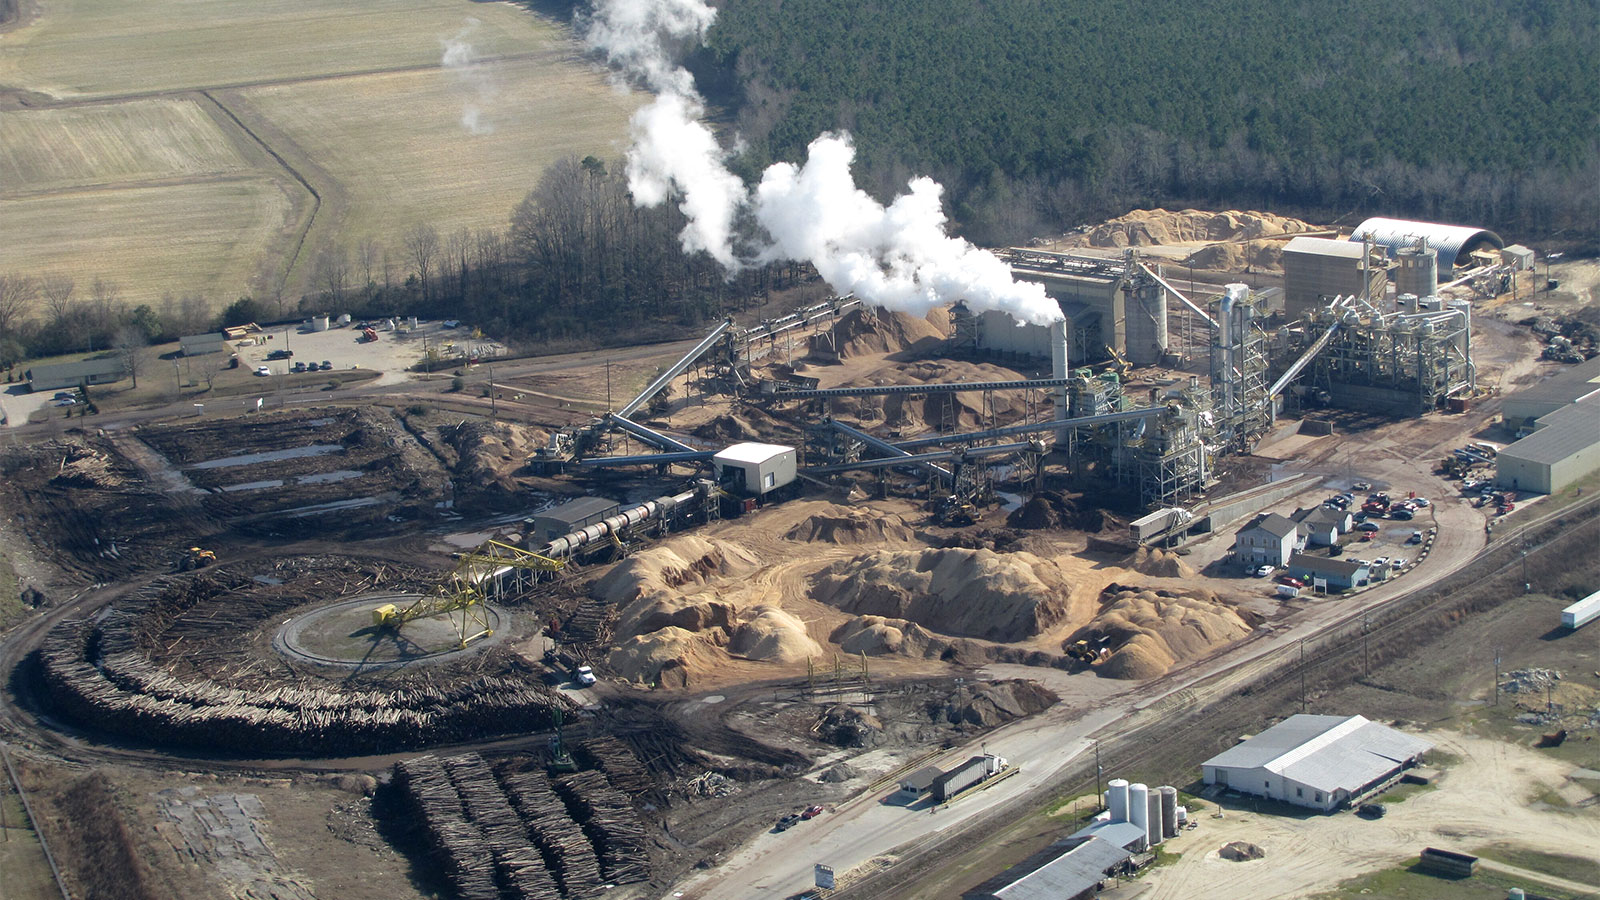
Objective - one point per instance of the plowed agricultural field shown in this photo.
(218, 148)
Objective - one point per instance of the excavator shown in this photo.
(1118, 363)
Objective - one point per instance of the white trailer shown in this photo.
(1581, 613)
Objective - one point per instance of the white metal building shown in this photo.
(1320, 762)
(201, 344)
(754, 469)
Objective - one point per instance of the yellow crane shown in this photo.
(460, 595)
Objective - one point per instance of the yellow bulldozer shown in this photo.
(196, 558)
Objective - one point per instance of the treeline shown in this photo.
(579, 264)
(1043, 113)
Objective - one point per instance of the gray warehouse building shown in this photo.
(1320, 762)
(1560, 418)
(1316, 270)
(571, 516)
(1071, 869)
(71, 375)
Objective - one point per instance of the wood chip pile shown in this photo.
(95, 673)
(512, 837)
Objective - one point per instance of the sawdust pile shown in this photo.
(913, 412)
(1154, 629)
(1146, 227)
(490, 453)
(747, 425)
(1053, 509)
(1158, 563)
(977, 593)
(772, 635)
(846, 525)
(988, 704)
(668, 657)
(879, 636)
(656, 572)
(1256, 255)
(861, 332)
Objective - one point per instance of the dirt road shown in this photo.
(1480, 800)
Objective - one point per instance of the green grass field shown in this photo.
(218, 148)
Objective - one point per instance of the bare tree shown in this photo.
(422, 242)
(105, 308)
(18, 293)
(367, 255)
(333, 270)
(130, 343)
(211, 364)
(57, 290)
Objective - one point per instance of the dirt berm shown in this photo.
(975, 593)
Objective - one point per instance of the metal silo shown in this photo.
(1139, 806)
(1117, 799)
(1417, 269)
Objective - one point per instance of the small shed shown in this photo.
(919, 781)
(202, 344)
(1340, 574)
(751, 469)
(71, 375)
(571, 516)
(1518, 257)
(1446, 863)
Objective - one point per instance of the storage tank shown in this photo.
(1146, 311)
(1152, 827)
(1139, 806)
(1117, 799)
(319, 323)
(1405, 304)
(1169, 811)
(1417, 269)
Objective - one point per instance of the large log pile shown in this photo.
(94, 673)
(620, 765)
(565, 846)
(520, 868)
(478, 826)
(611, 822)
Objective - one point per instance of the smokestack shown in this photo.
(1058, 369)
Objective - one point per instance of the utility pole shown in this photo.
(1366, 669)
(1098, 773)
(1302, 674)
(1497, 676)
(608, 385)
(491, 391)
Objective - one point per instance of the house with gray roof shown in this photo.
(1322, 525)
(1269, 540)
(1320, 762)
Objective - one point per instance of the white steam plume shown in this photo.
(897, 257)
(460, 57)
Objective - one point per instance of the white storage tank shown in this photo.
(1139, 806)
(1117, 799)
(752, 470)
(319, 323)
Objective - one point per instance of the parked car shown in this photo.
(1263, 571)
(298, 367)
(1381, 561)
(811, 812)
(787, 822)
(1361, 486)
(1291, 581)
(1422, 502)
(64, 401)
(64, 395)
(280, 354)
(1416, 538)
(1404, 515)
(1371, 810)
(327, 366)
(1368, 527)
(263, 371)
(584, 675)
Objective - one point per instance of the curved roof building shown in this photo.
(1454, 243)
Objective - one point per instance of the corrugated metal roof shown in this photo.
(107, 365)
(1567, 387)
(1326, 753)
(752, 453)
(1068, 875)
(921, 779)
(1120, 834)
(1324, 566)
(1452, 242)
(1550, 445)
(1316, 246)
(579, 509)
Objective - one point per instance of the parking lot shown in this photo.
(393, 353)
